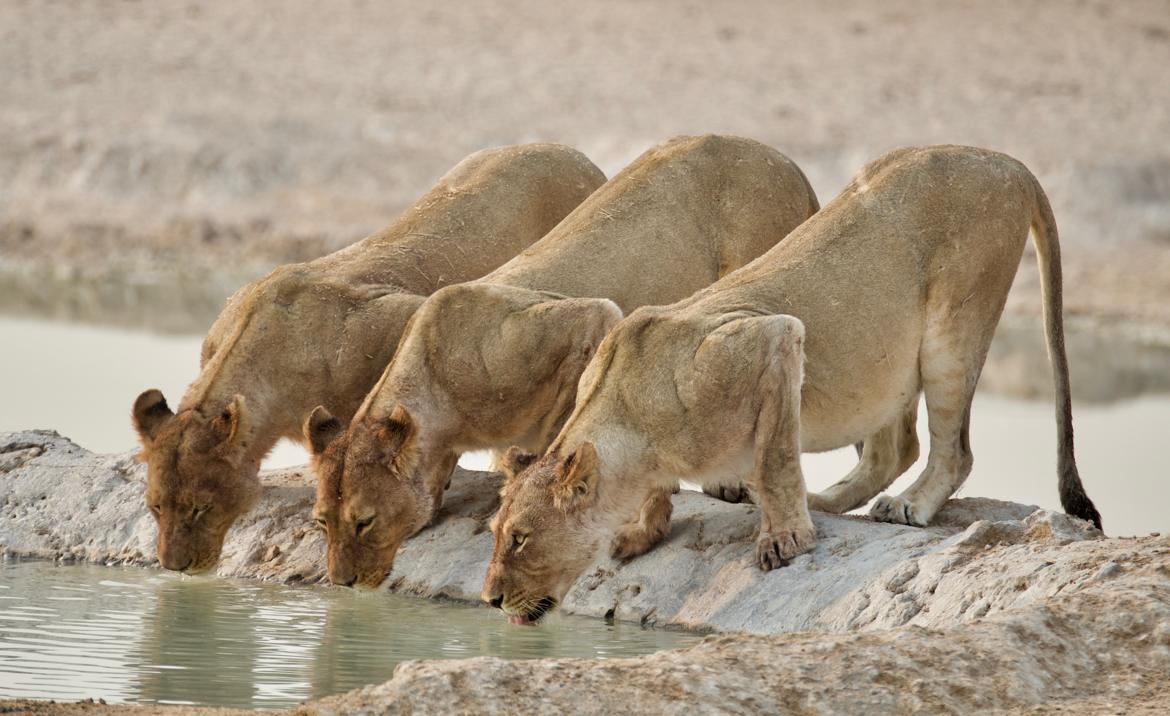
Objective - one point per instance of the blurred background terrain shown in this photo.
(155, 156)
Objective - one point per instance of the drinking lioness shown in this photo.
(495, 362)
(323, 330)
(893, 289)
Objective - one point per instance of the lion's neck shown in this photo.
(625, 475)
(268, 420)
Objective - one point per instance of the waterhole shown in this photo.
(74, 631)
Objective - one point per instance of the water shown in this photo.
(69, 632)
(80, 380)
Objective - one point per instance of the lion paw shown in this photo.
(632, 541)
(730, 493)
(897, 510)
(775, 549)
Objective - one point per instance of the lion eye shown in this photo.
(363, 525)
(156, 509)
(518, 540)
(199, 510)
(320, 522)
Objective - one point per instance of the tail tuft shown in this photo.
(1074, 500)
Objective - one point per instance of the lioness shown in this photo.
(899, 283)
(495, 362)
(323, 330)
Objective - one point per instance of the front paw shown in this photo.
(897, 510)
(632, 541)
(774, 549)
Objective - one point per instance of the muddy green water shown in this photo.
(70, 632)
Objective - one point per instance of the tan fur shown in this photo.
(496, 362)
(323, 331)
(899, 282)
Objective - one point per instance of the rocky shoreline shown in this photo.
(998, 607)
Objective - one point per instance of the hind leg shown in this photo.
(950, 362)
(884, 456)
(649, 529)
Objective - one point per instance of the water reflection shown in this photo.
(193, 631)
(135, 635)
(54, 626)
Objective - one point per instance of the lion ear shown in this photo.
(396, 432)
(231, 425)
(321, 429)
(576, 482)
(150, 413)
(515, 461)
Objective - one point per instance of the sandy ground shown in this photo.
(1154, 703)
(184, 142)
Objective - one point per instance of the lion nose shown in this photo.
(350, 583)
(497, 602)
(172, 563)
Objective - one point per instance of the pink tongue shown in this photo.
(519, 619)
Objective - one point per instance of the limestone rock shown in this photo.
(59, 501)
(1104, 649)
(998, 608)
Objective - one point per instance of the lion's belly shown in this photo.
(823, 430)
(855, 391)
(729, 467)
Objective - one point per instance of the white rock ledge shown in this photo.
(59, 501)
(1000, 608)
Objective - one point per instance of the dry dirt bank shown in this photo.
(176, 149)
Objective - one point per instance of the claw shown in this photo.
(632, 542)
(896, 510)
(776, 549)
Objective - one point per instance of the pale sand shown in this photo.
(137, 137)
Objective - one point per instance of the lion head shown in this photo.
(199, 479)
(544, 536)
(368, 501)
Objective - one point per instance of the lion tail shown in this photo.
(1072, 492)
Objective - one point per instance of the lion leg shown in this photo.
(950, 361)
(729, 493)
(652, 525)
(786, 530)
(496, 459)
(884, 456)
(446, 470)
